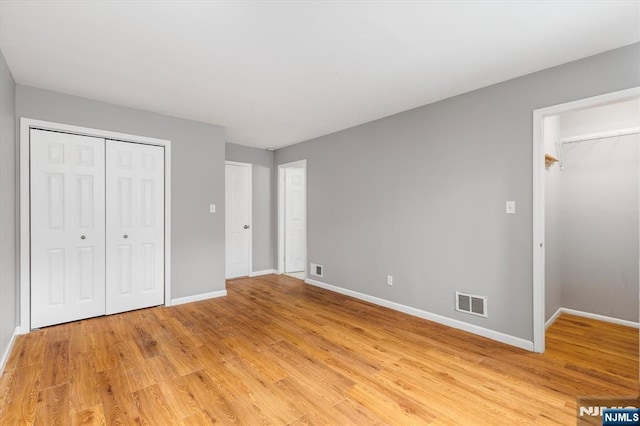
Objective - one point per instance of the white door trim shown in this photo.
(250, 167)
(281, 184)
(538, 198)
(25, 238)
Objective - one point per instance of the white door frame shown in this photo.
(281, 213)
(26, 124)
(250, 167)
(538, 198)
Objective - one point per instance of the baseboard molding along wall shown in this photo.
(198, 297)
(480, 331)
(265, 272)
(553, 318)
(591, 316)
(5, 355)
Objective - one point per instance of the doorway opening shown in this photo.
(292, 219)
(586, 191)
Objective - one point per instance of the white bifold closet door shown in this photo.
(67, 227)
(97, 227)
(135, 226)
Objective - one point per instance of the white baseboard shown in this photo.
(7, 351)
(553, 318)
(601, 317)
(481, 331)
(265, 272)
(198, 297)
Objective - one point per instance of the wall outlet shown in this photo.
(317, 270)
(389, 280)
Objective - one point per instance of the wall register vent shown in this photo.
(471, 304)
(316, 270)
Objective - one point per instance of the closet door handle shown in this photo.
(82, 237)
(125, 236)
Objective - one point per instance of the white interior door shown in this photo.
(238, 219)
(67, 227)
(135, 226)
(294, 219)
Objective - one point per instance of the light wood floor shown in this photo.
(278, 351)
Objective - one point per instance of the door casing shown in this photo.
(538, 199)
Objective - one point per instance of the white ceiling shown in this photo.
(277, 73)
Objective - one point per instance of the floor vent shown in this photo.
(471, 304)
(316, 270)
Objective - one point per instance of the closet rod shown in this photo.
(601, 135)
(591, 137)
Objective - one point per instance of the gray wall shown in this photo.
(8, 270)
(421, 195)
(598, 213)
(197, 171)
(262, 201)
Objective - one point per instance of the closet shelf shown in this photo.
(549, 160)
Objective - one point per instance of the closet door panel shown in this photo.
(67, 179)
(135, 226)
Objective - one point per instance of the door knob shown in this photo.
(246, 227)
(125, 236)
(82, 237)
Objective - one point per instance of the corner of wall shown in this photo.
(8, 215)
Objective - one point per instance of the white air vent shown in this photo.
(471, 304)
(316, 270)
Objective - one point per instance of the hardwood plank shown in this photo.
(89, 416)
(201, 418)
(316, 377)
(55, 373)
(115, 394)
(83, 384)
(29, 349)
(276, 405)
(180, 398)
(18, 404)
(153, 407)
(82, 337)
(185, 360)
(356, 414)
(144, 339)
(150, 372)
(210, 399)
(277, 351)
(105, 354)
(53, 406)
(393, 407)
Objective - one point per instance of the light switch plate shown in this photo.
(212, 208)
(511, 207)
